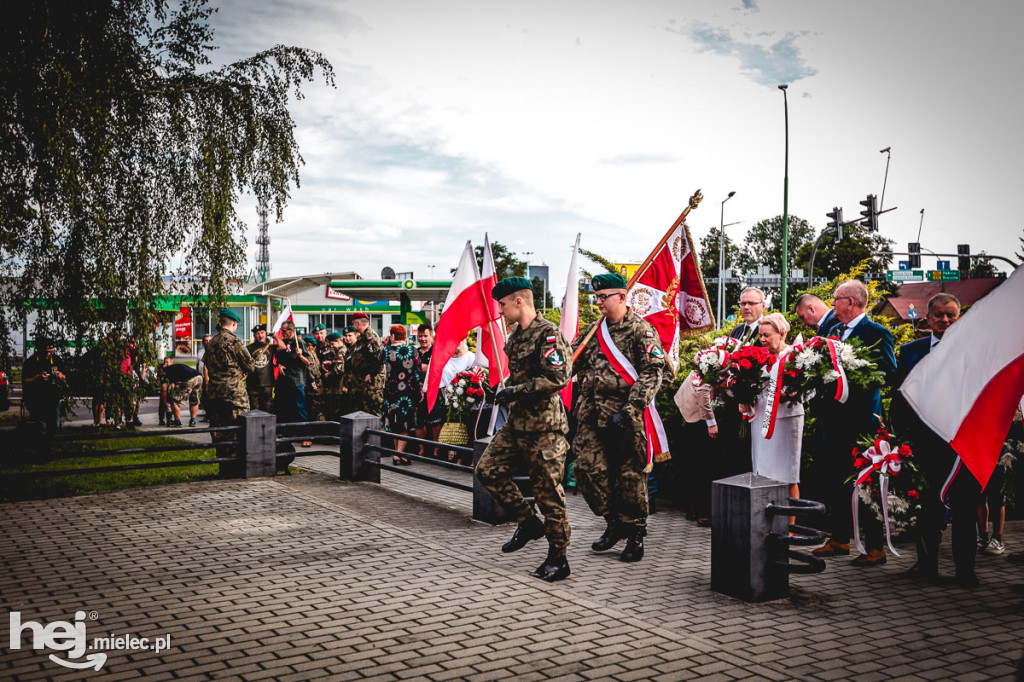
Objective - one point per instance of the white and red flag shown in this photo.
(969, 386)
(569, 325)
(465, 309)
(285, 316)
(490, 338)
(668, 291)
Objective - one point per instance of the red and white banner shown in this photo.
(657, 440)
(968, 387)
(464, 310)
(569, 325)
(669, 293)
(286, 315)
(490, 338)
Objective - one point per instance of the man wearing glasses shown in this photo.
(752, 310)
(623, 367)
(843, 424)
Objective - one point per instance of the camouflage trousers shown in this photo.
(222, 413)
(261, 398)
(365, 401)
(542, 456)
(610, 472)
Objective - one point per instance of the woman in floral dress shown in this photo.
(403, 389)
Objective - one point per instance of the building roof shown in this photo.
(968, 291)
(287, 287)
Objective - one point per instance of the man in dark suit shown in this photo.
(813, 312)
(752, 310)
(843, 424)
(934, 458)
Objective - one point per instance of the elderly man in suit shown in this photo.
(934, 457)
(843, 424)
(814, 312)
(752, 306)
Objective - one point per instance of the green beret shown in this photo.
(510, 285)
(309, 340)
(608, 280)
(350, 330)
(334, 336)
(230, 314)
(319, 327)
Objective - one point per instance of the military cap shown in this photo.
(230, 314)
(350, 330)
(334, 336)
(309, 340)
(608, 280)
(259, 328)
(360, 316)
(319, 327)
(510, 285)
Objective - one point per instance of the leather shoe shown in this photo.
(634, 550)
(874, 557)
(531, 529)
(967, 580)
(612, 535)
(920, 572)
(832, 549)
(552, 569)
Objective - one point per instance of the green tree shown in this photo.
(833, 259)
(763, 246)
(982, 267)
(1020, 254)
(506, 264)
(708, 254)
(124, 147)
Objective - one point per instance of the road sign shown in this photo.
(942, 265)
(911, 314)
(904, 276)
(904, 265)
(943, 275)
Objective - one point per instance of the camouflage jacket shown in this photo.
(602, 392)
(262, 354)
(313, 373)
(332, 368)
(540, 366)
(366, 359)
(227, 363)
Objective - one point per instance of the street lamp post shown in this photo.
(785, 205)
(721, 260)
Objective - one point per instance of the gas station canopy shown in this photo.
(393, 289)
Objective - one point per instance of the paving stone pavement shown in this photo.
(304, 577)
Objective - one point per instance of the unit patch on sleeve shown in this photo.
(554, 357)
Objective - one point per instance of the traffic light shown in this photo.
(837, 221)
(870, 213)
(914, 248)
(963, 252)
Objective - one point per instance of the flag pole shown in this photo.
(692, 204)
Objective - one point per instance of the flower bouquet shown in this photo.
(824, 366)
(465, 393)
(747, 375)
(712, 363)
(895, 500)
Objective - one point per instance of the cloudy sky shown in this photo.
(537, 120)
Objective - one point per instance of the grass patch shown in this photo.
(67, 455)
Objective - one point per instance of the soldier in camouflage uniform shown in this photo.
(227, 364)
(365, 365)
(611, 441)
(317, 411)
(348, 341)
(534, 435)
(261, 382)
(332, 366)
(314, 387)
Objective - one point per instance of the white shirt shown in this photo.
(935, 342)
(852, 323)
(821, 319)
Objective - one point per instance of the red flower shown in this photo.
(904, 450)
(745, 364)
(884, 435)
(855, 452)
(914, 495)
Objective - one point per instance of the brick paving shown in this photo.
(304, 577)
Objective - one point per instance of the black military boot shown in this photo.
(555, 567)
(634, 550)
(612, 534)
(531, 529)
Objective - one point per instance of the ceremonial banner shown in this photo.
(669, 292)
(969, 386)
(490, 338)
(464, 310)
(569, 324)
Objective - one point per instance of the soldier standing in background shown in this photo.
(611, 441)
(227, 363)
(314, 405)
(534, 435)
(261, 381)
(332, 366)
(348, 341)
(317, 411)
(366, 366)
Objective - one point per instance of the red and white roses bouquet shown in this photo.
(712, 363)
(747, 375)
(466, 392)
(828, 366)
(887, 483)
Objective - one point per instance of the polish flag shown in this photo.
(570, 322)
(285, 316)
(465, 309)
(490, 338)
(968, 388)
